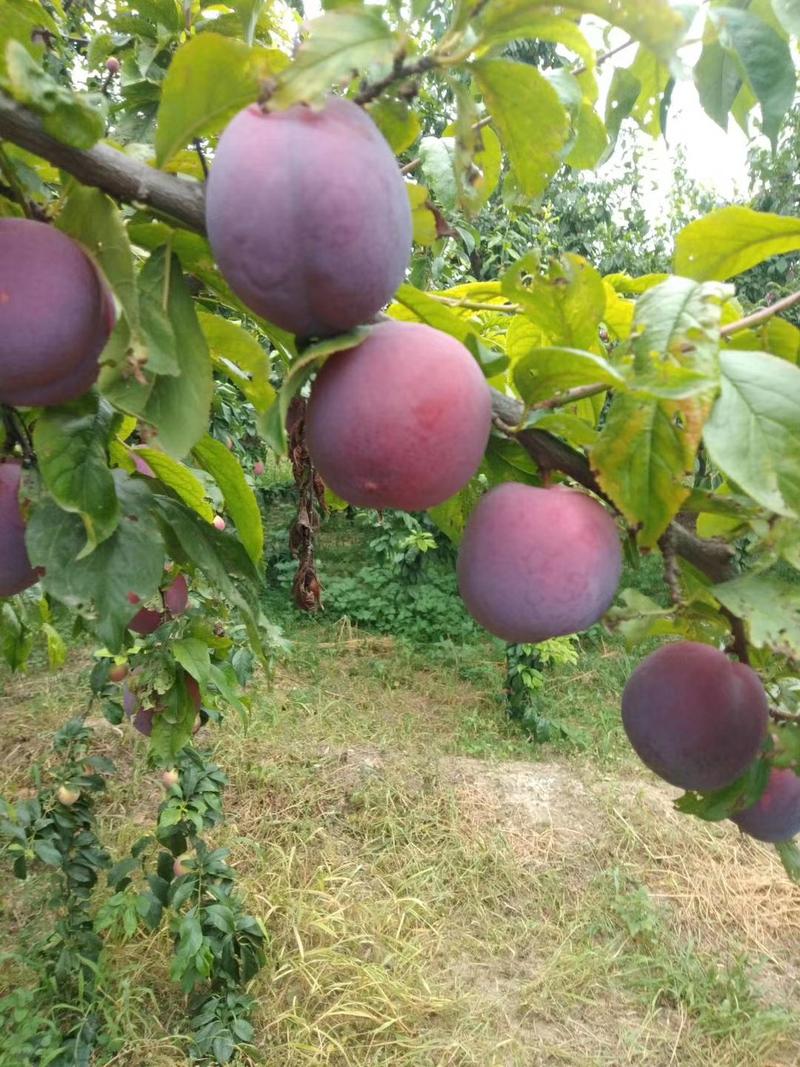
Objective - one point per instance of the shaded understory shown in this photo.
(437, 890)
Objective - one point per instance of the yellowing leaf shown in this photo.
(422, 218)
(567, 303)
(530, 119)
(180, 479)
(732, 240)
(643, 459)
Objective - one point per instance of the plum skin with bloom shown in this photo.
(538, 563)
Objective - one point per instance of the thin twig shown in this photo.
(762, 315)
(198, 147)
(784, 716)
(601, 59)
(570, 396)
(475, 305)
(400, 72)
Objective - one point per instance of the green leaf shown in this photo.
(769, 606)
(567, 303)
(180, 479)
(209, 79)
(240, 500)
(530, 119)
(423, 308)
(248, 12)
(131, 561)
(422, 218)
(654, 77)
(76, 119)
(676, 338)
(195, 254)
(193, 656)
(56, 647)
(643, 458)
(398, 123)
(718, 78)
(18, 20)
(621, 100)
(732, 240)
(788, 13)
(512, 20)
(544, 372)
(218, 555)
(338, 44)
(591, 139)
(47, 853)
(721, 804)
(789, 853)
(655, 23)
(239, 356)
(94, 220)
(173, 726)
(752, 435)
(177, 406)
(16, 639)
(451, 516)
(70, 443)
(767, 60)
(436, 155)
(100, 48)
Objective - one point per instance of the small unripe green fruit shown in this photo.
(178, 868)
(67, 796)
(119, 672)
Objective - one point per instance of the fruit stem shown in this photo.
(476, 305)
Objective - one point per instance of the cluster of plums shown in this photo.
(698, 719)
(401, 420)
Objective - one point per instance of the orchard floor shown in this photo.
(439, 892)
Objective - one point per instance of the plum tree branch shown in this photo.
(762, 315)
(560, 400)
(400, 72)
(126, 179)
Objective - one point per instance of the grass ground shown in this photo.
(437, 891)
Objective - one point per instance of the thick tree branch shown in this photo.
(106, 168)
